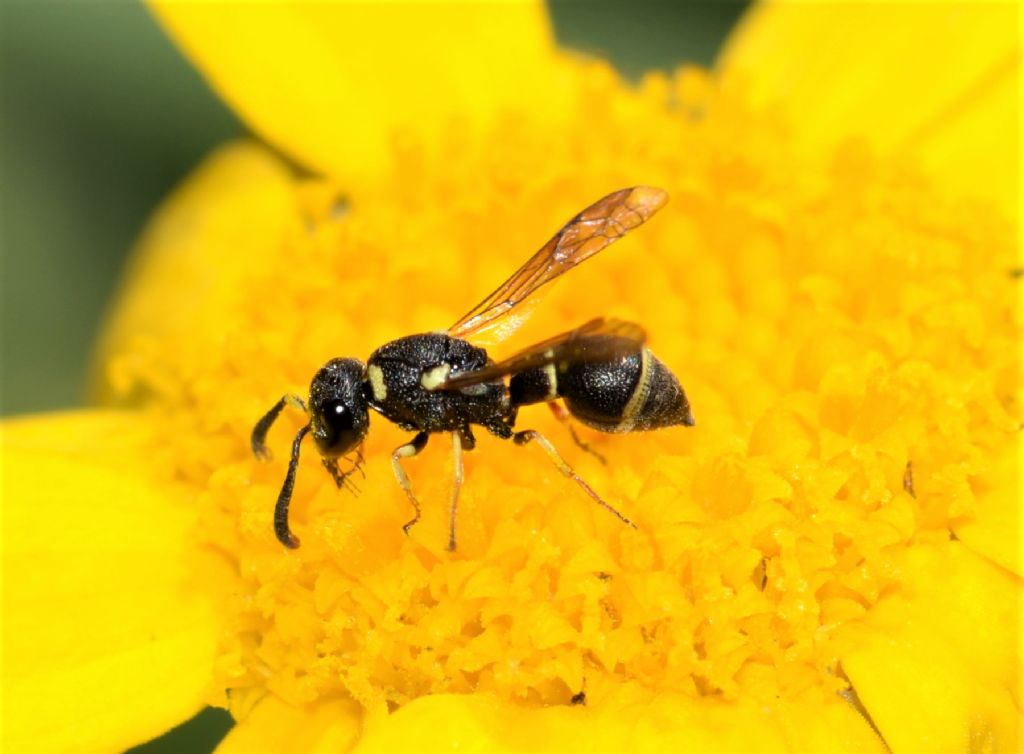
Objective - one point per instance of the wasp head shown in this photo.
(338, 410)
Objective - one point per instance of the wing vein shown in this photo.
(592, 230)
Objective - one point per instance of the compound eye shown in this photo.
(336, 433)
(337, 413)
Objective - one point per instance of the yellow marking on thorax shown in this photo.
(551, 373)
(432, 378)
(380, 390)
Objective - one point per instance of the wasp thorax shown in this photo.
(337, 407)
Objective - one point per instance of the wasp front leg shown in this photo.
(410, 449)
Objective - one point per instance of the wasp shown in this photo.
(440, 382)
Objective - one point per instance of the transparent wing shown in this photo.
(596, 227)
(598, 340)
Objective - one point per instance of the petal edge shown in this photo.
(108, 629)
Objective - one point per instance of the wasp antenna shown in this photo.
(284, 499)
(259, 432)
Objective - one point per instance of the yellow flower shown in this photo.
(829, 561)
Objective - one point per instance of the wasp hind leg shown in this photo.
(529, 435)
(562, 414)
(410, 449)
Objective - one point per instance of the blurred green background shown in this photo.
(101, 117)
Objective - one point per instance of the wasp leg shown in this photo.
(410, 449)
(259, 432)
(522, 438)
(562, 414)
(284, 499)
(457, 439)
(462, 439)
(468, 438)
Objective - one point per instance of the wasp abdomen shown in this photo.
(631, 393)
(659, 400)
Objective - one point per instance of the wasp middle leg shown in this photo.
(456, 486)
(528, 435)
(462, 439)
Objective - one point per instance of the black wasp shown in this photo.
(439, 382)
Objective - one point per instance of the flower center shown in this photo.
(841, 415)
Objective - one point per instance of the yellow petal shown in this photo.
(479, 723)
(938, 667)
(334, 84)
(933, 80)
(191, 266)
(110, 627)
(274, 726)
(995, 528)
